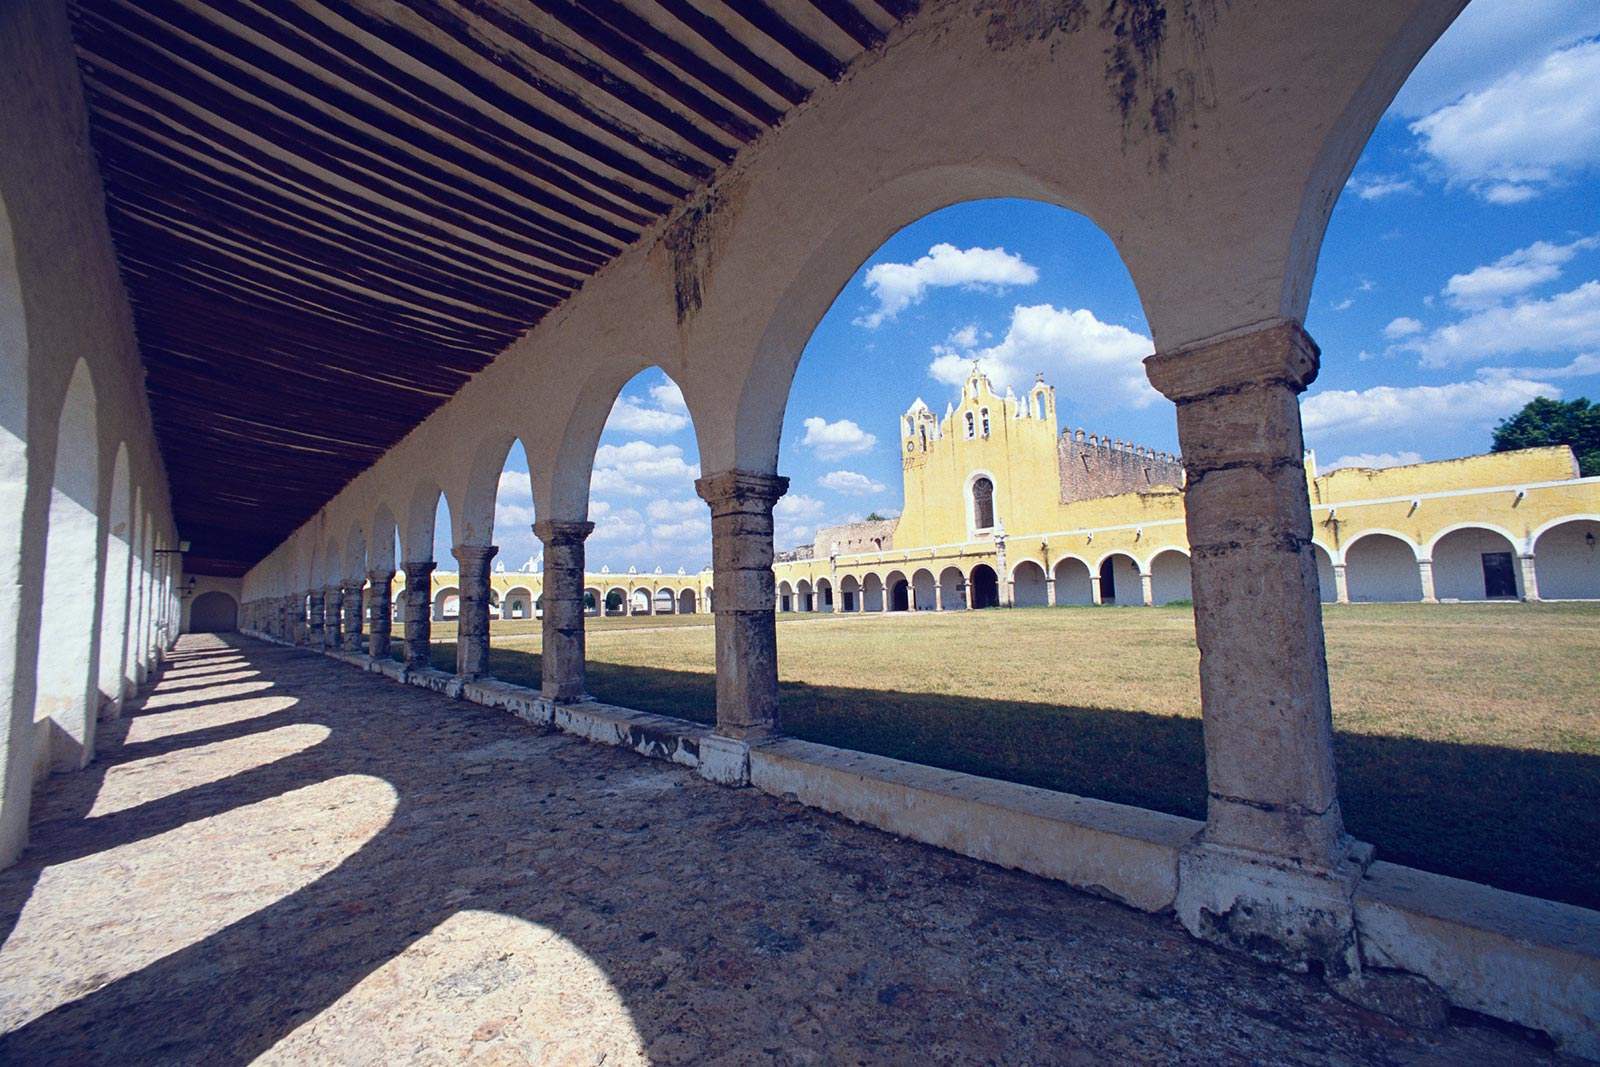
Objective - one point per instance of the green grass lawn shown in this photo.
(1468, 736)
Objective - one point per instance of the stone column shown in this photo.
(1094, 588)
(472, 626)
(1147, 587)
(746, 627)
(1425, 572)
(314, 620)
(1530, 578)
(1049, 590)
(417, 605)
(332, 606)
(291, 619)
(938, 596)
(561, 662)
(380, 616)
(1341, 584)
(1003, 583)
(1273, 873)
(352, 614)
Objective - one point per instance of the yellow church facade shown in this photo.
(1001, 509)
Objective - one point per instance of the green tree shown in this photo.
(874, 517)
(1554, 422)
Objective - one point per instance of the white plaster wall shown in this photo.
(1169, 578)
(205, 583)
(1458, 563)
(1028, 589)
(1329, 589)
(1382, 568)
(1072, 583)
(1126, 587)
(1568, 567)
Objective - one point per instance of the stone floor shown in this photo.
(281, 859)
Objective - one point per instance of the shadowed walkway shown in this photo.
(280, 858)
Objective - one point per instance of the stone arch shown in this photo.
(616, 601)
(639, 602)
(686, 602)
(896, 591)
(824, 596)
(1073, 587)
(417, 535)
(1120, 581)
(1381, 566)
(381, 555)
(1475, 562)
(593, 601)
(922, 590)
(664, 602)
(980, 501)
(1326, 581)
(953, 588)
(517, 603)
(1169, 576)
(785, 596)
(1028, 588)
(66, 675)
(117, 585)
(872, 592)
(804, 597)
(1566, 556)
(983, 586)
(16, 732)
(355, 552)
(850, 594)
(213, 612)
(474, 510)
(446, 604)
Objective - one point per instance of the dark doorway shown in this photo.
(899, 596)
(213, 613)
(1499, 576)
(985, 587)
(1108, 582)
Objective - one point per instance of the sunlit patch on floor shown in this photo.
(485, 989)
(148, 898)
(142, 781)
(223, 713)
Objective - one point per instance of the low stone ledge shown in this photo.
(1112, 850)
(1534, 962)
(389, 668)
(438, 681)
(524, 703)
(657, 736)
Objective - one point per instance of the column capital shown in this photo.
(419, 566)
(380, 577)
(562, 533)
(467, 555)
(733, 490)
(352, 584)
(1277, 351)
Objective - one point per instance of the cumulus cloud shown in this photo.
(1531, 127)
(1402, 327)
(897, 286)
(1583, 366)
(1563, 322)
(1411, 409)
(836, 440)
(629, 415)
(1095, 363)
(1374, 460)
(850, 482)
(640, 468)
(612, 524)
(1514, 273)
(513, 513)
(797, 507)
(669, 397)
(676, 510)
(1377, 187)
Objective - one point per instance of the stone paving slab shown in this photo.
(281, 859)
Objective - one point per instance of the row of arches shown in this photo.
(523, 603)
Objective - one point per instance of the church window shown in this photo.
(969, 426)
(983, 504)
(985, 413)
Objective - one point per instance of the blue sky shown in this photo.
(1457, 281)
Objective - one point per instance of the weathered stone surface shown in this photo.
(418, 609)
(561, 662)
(472, 626)
(334, 869)
(380, 613)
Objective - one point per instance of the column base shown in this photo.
(1279, 912)
(725, 760)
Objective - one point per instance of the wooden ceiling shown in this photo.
(329, 214)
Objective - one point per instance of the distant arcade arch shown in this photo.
(1567, 555)
(1381, 568)
(1027, 585)
(984, 587)
(213, 613)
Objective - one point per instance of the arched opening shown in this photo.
(803, 596)
(985, 587)
(616, 601)
(850, 596)
(824, 595)
(447, 604)
(983, 496)
(520, 551)
(953, 588)
(592, 599)
(517, 603)
(1475, 564)
(1119, 580)
(922, 588)
(17, 740)
(1073, 587)
(872, 593)
(66, 675)
(214, 612)
(785, 597)
(114, 590)
(1380, 568)
(898, 591)
(1326, 581)
(1169, 577)
(666, 602)
(1027, 585)
(686, 602)
(639, 602)
(1567, 560)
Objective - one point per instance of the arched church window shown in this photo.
(983, 504)
(969, 426)
(985, 413)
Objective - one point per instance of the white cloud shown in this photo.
(1514, 273)
(613, 525)
(1531, 127)
(1094, 363)
(836, 440)
(897, 286)
(966, 337)
(1376, 187)
(687, 530)
(669, 397)
(1402, 327)
(677, 510)
(850, 482)
(1397, 409)
(1583, 366)
(630, 416)
(797, 507)
(1563, 322)
(639, 468)
(515, 487)
(1345, 304)
(1374, 460)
